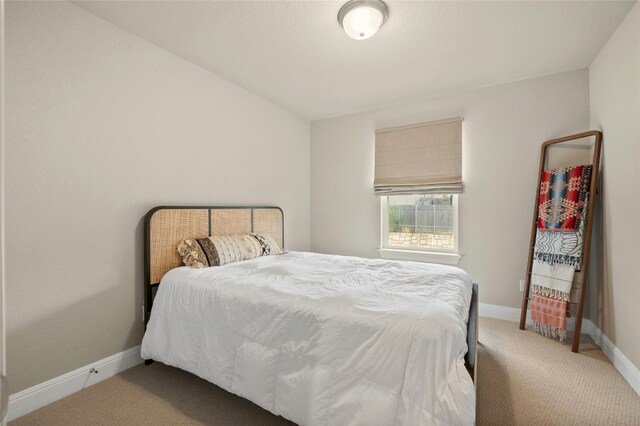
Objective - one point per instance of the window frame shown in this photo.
(436, 255)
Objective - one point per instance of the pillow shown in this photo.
(268, 244)
(220, 250)
(192, 254)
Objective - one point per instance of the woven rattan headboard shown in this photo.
(164, 227)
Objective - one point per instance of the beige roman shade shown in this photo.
(419, 159)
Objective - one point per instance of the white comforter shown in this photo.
(323, 340)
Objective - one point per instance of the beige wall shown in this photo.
(503, 129)
(102, 126)
(614, 78)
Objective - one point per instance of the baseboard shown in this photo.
(625, 367)
(501, 312)
(38, 396)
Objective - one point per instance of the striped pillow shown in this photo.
(220, 250)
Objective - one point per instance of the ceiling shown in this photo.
(295, 53)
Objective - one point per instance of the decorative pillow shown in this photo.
(220, 250)
(268, 244)
(192, 254)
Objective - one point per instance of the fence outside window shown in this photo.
(433, 219)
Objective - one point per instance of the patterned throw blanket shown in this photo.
(549, 317)
(551, 288)
(557, 255)
(561, 247)
(562, 196)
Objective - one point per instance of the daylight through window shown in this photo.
(420, 222)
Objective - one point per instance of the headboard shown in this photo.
(165, 226)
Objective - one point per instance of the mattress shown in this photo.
(322, 339)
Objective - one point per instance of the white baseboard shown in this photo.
(625, 367)
(500, 312)
(38, 396)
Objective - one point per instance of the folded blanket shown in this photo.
(562, 196)
(551, 292)
(552, 280)
(549, 316)
(561, 247)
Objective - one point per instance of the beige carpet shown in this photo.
(524, 379)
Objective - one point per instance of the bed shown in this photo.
(315, 338)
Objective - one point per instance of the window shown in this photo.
(418, 174)
(420, 222)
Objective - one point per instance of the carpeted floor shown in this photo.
(524, 379)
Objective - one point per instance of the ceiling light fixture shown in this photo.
(362, 18)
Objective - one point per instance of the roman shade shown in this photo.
(422, 158)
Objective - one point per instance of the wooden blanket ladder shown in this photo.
(586, 248)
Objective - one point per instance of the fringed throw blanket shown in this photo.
(561, 247)
(562, 196)
(557, 253)
(549, 317)
(552, 280)
(551, 291)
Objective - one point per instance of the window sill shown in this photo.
(421, 256)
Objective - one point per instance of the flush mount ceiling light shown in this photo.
(362, 18)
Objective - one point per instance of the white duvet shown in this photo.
(323, 340)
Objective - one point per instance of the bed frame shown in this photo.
(165, 226)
